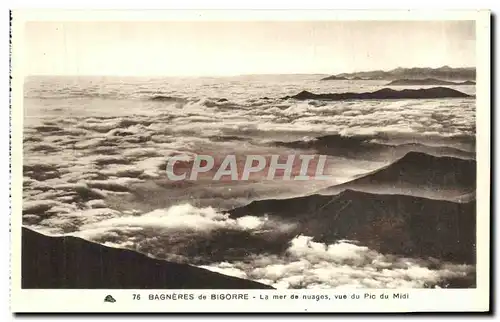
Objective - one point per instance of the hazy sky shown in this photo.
(232, 48)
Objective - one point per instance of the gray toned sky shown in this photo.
(233, 48)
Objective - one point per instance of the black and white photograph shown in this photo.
(250, 154)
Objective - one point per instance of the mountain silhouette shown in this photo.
(419, 174)
(333, 77)
(383, 94)
(71, 262)
(391, 224)
(427, 81)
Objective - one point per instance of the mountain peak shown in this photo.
(444, 72)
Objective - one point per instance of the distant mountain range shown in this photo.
(445, 72)
(427, 81)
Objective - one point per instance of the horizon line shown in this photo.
(241, 75)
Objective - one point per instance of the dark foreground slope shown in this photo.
(392, 224)
(384, 94)
(70, 262)
(419, 174)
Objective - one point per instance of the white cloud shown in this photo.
(309, 264)
(181, 217)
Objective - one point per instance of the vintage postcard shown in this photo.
(250, 161)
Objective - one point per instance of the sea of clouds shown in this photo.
(94, 166)
(176, 234)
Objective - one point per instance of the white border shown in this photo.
(91, 300)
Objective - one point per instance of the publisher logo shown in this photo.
(109, 299)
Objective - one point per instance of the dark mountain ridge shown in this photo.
(364, 148)
(74, 263)
(427, 81)
(391, 224)
(384, 94)
(419, 174)
(163, 98)
(333, 77)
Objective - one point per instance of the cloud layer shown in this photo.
(263, 249)
(95, 153)
(308, 264)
